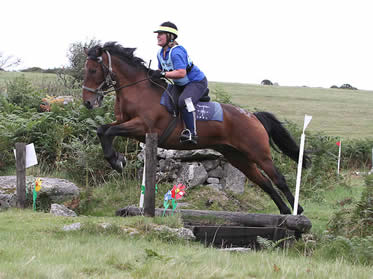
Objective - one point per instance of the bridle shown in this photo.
(109, 81)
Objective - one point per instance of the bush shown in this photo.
(21, 93)
(357, 220)
(356, 250)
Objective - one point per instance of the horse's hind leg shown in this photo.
(277, 178)
(238, 160)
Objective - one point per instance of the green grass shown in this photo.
(45, 82)
(32, 245)
(335, 112)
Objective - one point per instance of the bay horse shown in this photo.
(243, 138)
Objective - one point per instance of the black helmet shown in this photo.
(167, 27)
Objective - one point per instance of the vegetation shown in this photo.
(342, 113)
(33, 245)
(65, 138)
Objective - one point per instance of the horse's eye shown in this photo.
(92, 71)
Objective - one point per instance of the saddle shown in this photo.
(205, 110)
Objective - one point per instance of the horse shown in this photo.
(243, 138)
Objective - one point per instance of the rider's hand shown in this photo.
(158, 74)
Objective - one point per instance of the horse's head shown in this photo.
(97, 77)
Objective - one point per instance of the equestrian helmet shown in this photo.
(167, 27)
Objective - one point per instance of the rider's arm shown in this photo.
(175, 74)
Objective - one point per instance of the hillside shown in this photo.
(335, 112)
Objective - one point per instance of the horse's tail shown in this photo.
(281, 137)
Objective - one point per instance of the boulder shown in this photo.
(192, 174)
(54, 189)
(233, 179)
(61, 210)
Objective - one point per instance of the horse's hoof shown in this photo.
(119, 162)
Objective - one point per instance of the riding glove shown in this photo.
(158, 74)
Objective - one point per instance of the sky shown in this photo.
(316, 43)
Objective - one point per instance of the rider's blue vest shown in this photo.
(167, 66)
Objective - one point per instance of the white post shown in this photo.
(141, 203)
(307, 120)
(339, 156)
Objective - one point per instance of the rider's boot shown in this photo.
(189, 135)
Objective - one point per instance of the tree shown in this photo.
(77, 58)
(8, 61)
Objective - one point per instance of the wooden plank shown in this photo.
(227, 236)
(21, 174)
(297, 223)
(151, 142)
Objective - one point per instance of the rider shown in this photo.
(191, 83)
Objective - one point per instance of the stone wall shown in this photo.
(197, 167)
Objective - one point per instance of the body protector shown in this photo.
(168, 66)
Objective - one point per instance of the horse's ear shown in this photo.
(86, 50)
(99, 51)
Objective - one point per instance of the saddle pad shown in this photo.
(204, 110)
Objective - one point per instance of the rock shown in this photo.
(210, 164)
(72, 227)
(233, 179)
(217, 172)
(213, 180)
(192, 174)
(183, 233)
(54, 189)
(61, 210)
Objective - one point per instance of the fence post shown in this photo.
(150, 173)
(21, 174)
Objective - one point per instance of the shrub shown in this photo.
(21, 93)
(358, 220)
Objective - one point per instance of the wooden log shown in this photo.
(21, 174)
(151, 142)
(297, 223)
(226, 236)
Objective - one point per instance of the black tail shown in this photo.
(281, 137)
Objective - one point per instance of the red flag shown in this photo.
(338, 143)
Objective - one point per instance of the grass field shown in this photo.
(33, 245)
(335, 112)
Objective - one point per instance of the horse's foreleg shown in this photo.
(116, 159)
(107, 133)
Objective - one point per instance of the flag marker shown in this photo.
(339, 143)
(307, 120)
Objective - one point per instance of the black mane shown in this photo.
(125, 54)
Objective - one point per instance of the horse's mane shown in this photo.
(123, 53)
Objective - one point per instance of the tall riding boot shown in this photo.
(189, 135)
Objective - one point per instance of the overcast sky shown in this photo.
(292, 42)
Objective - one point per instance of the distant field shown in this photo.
(336, 112)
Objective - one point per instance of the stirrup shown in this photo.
(186, 137)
